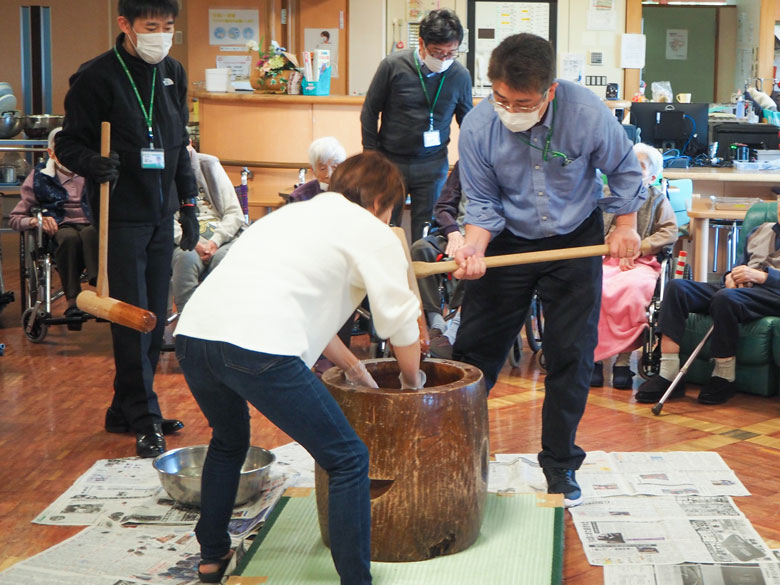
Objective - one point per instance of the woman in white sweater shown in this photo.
(253, 329)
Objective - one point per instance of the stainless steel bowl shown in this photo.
(180, 472)
(38, 126)
(10, 124)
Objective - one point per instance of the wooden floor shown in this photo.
(53, 398)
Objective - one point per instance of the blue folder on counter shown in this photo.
(319, 87)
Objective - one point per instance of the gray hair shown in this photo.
(655, 161)
(325, 149)
(52, 134)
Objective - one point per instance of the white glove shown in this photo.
(358, 375)
(421, 380)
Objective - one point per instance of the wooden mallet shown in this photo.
(425, 341)
(100, 304)
(422, 269)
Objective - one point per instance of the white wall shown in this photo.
(366, 42)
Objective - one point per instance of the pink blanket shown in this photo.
(624, 298)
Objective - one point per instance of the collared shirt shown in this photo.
(508, 185)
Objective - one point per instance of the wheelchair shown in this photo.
(35, 277)
(534, 331)
(650, 361)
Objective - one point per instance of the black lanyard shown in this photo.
(425, 91)
(147, 114)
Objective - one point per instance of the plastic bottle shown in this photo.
(740, 107)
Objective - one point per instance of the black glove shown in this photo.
(188, 218)
(104, 168)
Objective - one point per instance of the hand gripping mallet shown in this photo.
(657, 408)
(100, 304)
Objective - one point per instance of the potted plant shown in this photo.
(272, 70)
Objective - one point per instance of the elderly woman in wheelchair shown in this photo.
(50, 202)
(628, 285)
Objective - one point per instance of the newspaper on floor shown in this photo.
(110, 487)
(163, 510)
(295, 461)
(117, 488)
(671, 541)
(604, 474)
(111, 554)
(750, 573)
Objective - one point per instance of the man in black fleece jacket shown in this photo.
(143, 94)
(417, 91)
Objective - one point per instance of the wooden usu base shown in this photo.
(428, 458)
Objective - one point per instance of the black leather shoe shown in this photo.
(717, 390)
(597, 377)
(116, 423)
(149, 441)
(653, 389)
(622, 378)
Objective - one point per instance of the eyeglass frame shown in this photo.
(520, 109)
(452, 55)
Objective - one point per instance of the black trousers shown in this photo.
(77, 249)
(424, 181)
(728, 307)
(139, 273)
(494, 310)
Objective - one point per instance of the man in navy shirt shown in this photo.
(529, 156)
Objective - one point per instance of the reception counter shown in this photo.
(271, 134)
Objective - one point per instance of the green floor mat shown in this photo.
(520, 543)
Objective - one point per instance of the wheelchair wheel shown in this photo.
(37, 331)
(534, 325)
(516, 352)
(541, 361)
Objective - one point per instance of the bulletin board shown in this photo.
(491, 21)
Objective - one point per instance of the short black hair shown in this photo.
(132, 9)
(325, 34)
(441, 27)
(525, 62)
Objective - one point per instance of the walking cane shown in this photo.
(657, 408)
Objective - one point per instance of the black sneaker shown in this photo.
(652, 389)
(622, 378)
(717, 390)
(561, 481)
(597, 377)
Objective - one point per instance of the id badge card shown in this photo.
(152, 158)
(431, 138)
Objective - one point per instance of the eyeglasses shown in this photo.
(441, 55)
(517, 109)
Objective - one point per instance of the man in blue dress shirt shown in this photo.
(529, 156)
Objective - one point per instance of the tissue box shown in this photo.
(319, 87)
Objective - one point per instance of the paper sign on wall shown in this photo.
(677, 44)
(632, 51)
(233, 27)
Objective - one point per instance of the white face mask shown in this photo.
(153, 47)
(323, 186)
(517, 122)
(437, 65)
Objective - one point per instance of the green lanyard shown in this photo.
(546, 150)
(425, 90)
(147, 115)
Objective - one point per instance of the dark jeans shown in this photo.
(423, 180)
(494, 310)
(139, 273)
(223, 378)
(77, 249)
(728, 307)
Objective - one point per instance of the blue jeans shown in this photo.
(223, 378)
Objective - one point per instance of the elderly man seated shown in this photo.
(325, 154)
(750, 291)
(220, 219)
